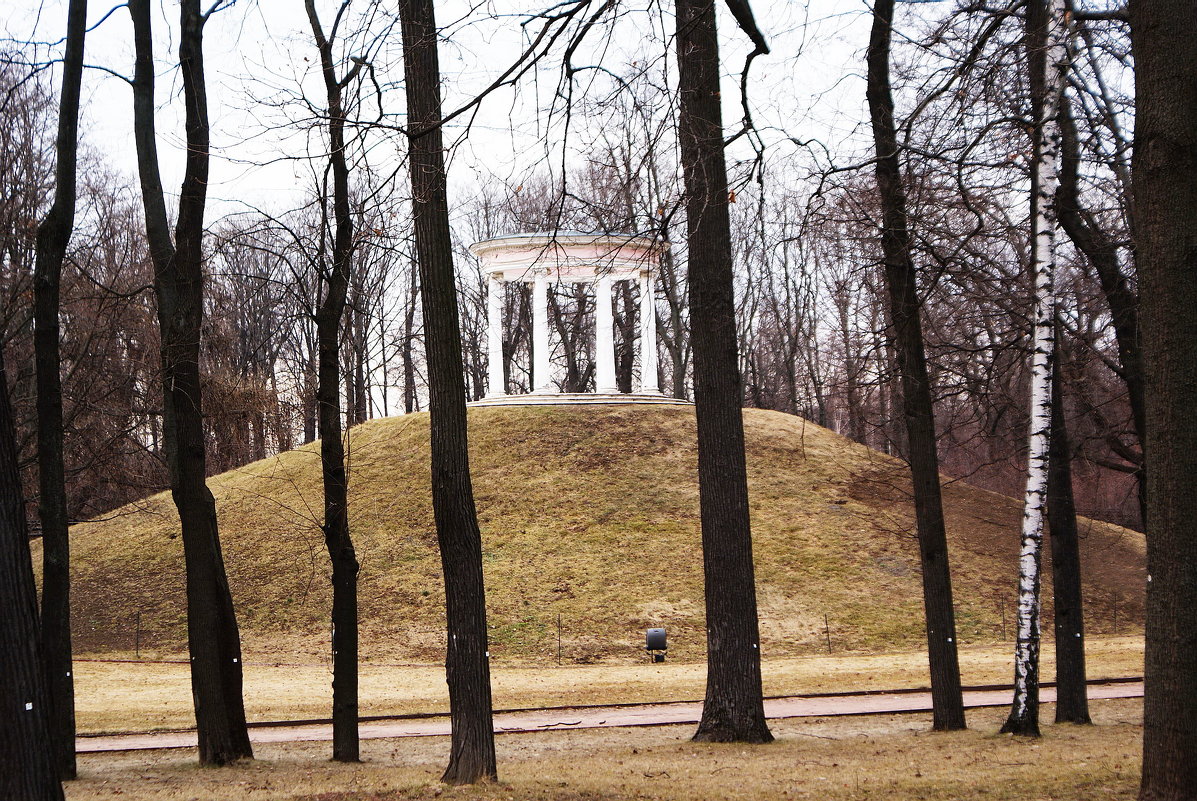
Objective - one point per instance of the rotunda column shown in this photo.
(604, 338)
(494, 336)
(540, 333)
(648, 335)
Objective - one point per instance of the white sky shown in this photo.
(811, 86)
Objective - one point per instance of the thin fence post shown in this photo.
(827, 631)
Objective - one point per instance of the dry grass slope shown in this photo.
(589, 515)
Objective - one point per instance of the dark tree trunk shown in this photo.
(1102, 252)
(1072, 702)
(520, 324)
(570, 337)
(258, 429)
(911, 361)
(28, 770)
(409, 344)
(1165, 193)
(53, 236)
(328, 400)
(625, 322)
(467, 662)
(311, 380)
(733, 710)
(674, 337)
(359, 320)
(212, 635)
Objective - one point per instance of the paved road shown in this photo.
(795, 706)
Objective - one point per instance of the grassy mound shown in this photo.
(590, 531)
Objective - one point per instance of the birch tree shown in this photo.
(1047, 57)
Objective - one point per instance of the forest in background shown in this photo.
(810, 294)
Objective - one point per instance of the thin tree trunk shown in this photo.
(53, 236)
(674, 339)
(625, 353)
(311, 380)
(568, 334)
(409, 361)
(1165, 193)
(361, 393)
(28, 770)
(733, 710)
(212, 635)
(328, 399)
(467, 662)
(901, 280)
(1048, 58)
(1072, 702)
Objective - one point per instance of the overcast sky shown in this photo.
(259, 52)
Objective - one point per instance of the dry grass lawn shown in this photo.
(143, 696)
(890, 757)
(589, 516)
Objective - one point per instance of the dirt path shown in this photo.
(515, 721)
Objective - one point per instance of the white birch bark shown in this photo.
(1023, 714)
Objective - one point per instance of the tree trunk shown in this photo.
(569, 335)
(1072, 702)
(28, 770)
(907, 334)
(467, 663)
(733, 710)
(212, 635)
(311, 380)
(1165, 192)
(1048, 59)
(409, 362)
(674, 337)
(53, 236)
(625, 323)
(360, 320)
(328, 400)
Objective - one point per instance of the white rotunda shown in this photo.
(542, 259)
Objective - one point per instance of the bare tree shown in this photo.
(332, 450)
(733, 710)
(1048, 60)
(1072, 696)
(212, 635)
(467, 662)
(902, 283)
(53, 235)
(1165, 195)
(28, 770)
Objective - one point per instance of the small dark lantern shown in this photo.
(655, 644)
